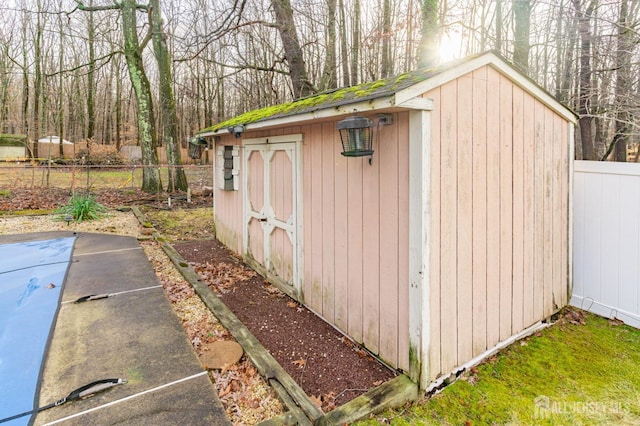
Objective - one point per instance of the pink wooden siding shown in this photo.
(228, 210)
(499, 231)
(355, 233)
(355, 217)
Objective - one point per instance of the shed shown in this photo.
(49, 147)
(455, 237)
(13, 147)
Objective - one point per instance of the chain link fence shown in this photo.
(96, 178)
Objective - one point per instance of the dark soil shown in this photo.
(328, 366)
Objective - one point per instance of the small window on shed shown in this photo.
(228, 167)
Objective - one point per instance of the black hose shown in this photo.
(82, 392)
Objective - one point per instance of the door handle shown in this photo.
(263, 219)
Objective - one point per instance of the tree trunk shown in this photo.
(293, 52)
(355, 43)
(585, 120)
(37, 81)
(329, 78)
(623, 83)
(565, 58)
(118, 111)
(386, 67)
(60, 94)
(33, 150)
(6, 71)
(91, 77)
(146, 124)
(498, 45)
(428, 53)
(521, 47)
(344, 52)
(177, 179)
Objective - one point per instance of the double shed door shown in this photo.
(271, 208)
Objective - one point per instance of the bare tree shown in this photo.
(146, 120)
(344, 51)
(177, 179)
(355, 43)
(429, 33)
(91, 75)
(329, 77)
(522, 17)
(287, 29)
(586, 119)
(386, 66)
(622, 89)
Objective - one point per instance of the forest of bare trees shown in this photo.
(78, 68)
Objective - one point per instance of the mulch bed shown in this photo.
(329, 367)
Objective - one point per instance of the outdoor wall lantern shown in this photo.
(356, 134)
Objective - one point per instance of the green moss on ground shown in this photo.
(567, 374)
(25, 212)
(181, 224)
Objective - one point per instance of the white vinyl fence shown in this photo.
(606, 254)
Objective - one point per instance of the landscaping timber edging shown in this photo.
(393, 393)
(289, 392)
(302, 410)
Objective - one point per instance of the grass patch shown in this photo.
(181, 224)
(80, 208)
(575, 372)
(25, 212)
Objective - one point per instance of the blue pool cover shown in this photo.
(32, 275)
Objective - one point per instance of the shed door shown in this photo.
(270, 210)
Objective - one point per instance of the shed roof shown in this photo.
(401, 91)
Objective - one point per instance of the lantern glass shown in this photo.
(356, 136)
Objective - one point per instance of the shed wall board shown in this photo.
(227, 207)
(479, 204)
(434, 288)
(356, 214)
(499, 215)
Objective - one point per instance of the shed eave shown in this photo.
(383, 103)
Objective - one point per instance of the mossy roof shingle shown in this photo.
(334, 98)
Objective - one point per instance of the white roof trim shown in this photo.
(496, 62)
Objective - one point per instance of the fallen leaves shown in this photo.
(574, 316)
(244, 394)
(221, 277)
(325, 402)
(615, 321)
(300, 363)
